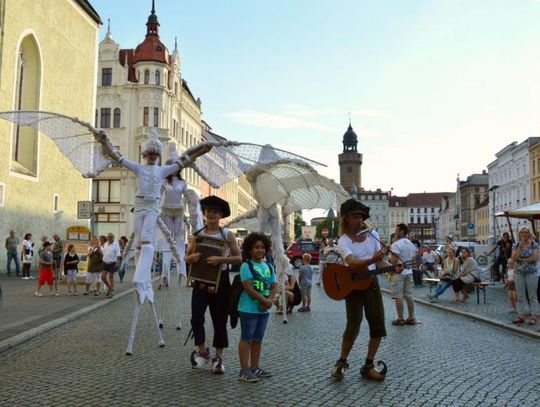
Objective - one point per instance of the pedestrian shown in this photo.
(71, 260)
(41, 248)
(403, 251)
(361, 250)
(27, 254)
(12, 249)
(525, 256)
(332, 252)
(322, 261)
(429, 259)
(94, 265)
(504, 247)
(259, 283)
(510, 286)
(46, 266)
(58, 248)
(450, 271)
(112, 256)
(418, 266)
(122, 271)
(305, 278)
(293, 295)
(208, 295)
(468, 275)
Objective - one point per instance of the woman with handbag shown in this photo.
(468, 275)
(449, 273)
(525, 256)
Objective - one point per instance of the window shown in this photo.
(27, 93)
(55, 202)
(158, 78)
(145, 116)
(117, 117)
(106, 77)
(156, 116)
(96, 119)
(105, 118)
(108, 217)
(2, 194)
(106, 190)
(146, 76)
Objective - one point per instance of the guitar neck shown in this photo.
(388, 269)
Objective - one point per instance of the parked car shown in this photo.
(295, 251)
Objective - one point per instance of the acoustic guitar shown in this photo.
(339, 281)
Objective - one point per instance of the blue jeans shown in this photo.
(13, 256)
(441, 288)
(253, 326)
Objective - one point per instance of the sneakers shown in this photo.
(339, 369)
(217, 365)
(302, 309)
(260, 373)
(199, 359)
(247, 376)
(36, 294)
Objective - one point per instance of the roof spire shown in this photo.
(176, 44)
(152, 24)
(108, 33)
(350, 125)
(153, 7)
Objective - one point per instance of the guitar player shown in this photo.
(361, 250)
(402, 250)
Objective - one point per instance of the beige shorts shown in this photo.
(402, 286)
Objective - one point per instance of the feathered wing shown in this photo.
(75, 138)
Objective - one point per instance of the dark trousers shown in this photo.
(26, 269)
(218, 304)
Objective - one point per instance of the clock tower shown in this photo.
(350, 162)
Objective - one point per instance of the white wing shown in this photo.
(75, 138)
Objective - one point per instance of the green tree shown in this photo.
(327, 223)
(298, 223)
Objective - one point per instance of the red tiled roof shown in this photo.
(122, 57)
(402, 200)
(425, 199)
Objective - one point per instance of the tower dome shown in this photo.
(350, 140)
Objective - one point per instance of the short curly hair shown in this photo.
(250, 241)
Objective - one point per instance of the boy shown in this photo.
(205, 295)
(46, 266)
(305, 282)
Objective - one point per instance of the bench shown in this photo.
(480, 286)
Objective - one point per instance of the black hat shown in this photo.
(213, 201)
(353, 205)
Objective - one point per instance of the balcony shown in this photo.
(143, 131)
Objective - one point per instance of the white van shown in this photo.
(478, 251)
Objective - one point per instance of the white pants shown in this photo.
(93, 277)
(144, 226)
(527, 284)
(175, 224)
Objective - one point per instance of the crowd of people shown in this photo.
(54, 262)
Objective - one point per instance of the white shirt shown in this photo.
(360, 251)
(406, 252)
(111, 252)
(429, 257)
(172, 196)
(150, 177)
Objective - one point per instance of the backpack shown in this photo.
(236, 290)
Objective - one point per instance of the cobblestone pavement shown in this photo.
(445, 361)
(497, 305)
(22, 311)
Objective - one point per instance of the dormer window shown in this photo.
(146, 76)
(158, 78)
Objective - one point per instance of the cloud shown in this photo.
(277, 121)
(311, 111)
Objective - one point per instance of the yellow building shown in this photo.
(481, 222)
(534, 165)
(48, 62)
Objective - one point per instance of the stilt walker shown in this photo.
(149, 183)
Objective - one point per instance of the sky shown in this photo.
(433, 88)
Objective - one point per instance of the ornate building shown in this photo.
(350, 162)
(42, 68)
(138, 89)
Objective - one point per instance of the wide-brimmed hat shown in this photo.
(216, 202)
(354, 206)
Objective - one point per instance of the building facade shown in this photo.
(350, 162)
(139, 89)
(448, 218)
(378, 214)
(472, 192)
(510, 183)
(39, 187)
(397, 212)
(481, 221)
(423, 212)
(534, 178)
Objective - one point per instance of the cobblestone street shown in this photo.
(445, 361)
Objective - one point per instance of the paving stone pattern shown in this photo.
(445, 361)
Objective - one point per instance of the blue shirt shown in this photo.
(261, 279)
(305, 276)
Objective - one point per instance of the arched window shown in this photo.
(158, 78)
(25, 139)
(117, 117)
(146, 76)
